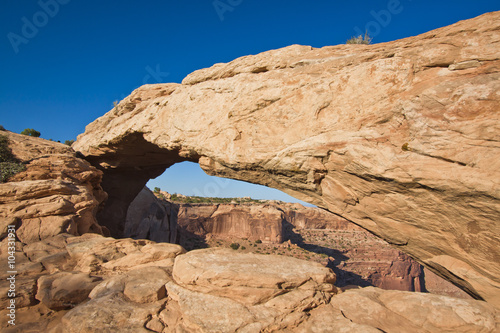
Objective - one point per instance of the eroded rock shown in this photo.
(151, 218)
(254, 222)
(388, 136)
(249, 278)
(64, 290)
(57, 193)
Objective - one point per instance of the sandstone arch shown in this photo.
(401, 138)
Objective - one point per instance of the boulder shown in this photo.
(247, 277)
(108, 256)
(64, 290)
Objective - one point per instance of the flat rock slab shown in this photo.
(247, 277)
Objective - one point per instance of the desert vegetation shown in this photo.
(31, 132)
(9, 165)
(366, 39)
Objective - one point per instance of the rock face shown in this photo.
(57, 193)
(253, 222)
(401, 138)
(151, 218)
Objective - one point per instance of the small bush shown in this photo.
(2, 128)
(234, 246)
(9, 169)
(243, 248)
(9, 165)
(258, 241)
(69, 142)
(5, 152)
(156, 190)
(366, 39)
(31, 132)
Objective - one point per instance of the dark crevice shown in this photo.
(438, 157)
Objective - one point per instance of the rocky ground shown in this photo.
(91, 283)
(357, 257)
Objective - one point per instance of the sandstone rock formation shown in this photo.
(57, 193)
(104, 284)
(151, 218)
(400, 137)
(211, 288)
(374, 310)
(263, 222)
(249, 278)
(87, 283)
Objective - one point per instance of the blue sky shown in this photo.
(64, 62)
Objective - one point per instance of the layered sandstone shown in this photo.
(400, 138)
(86, 283)
(57, 193)
(92, 283)
(254, 222)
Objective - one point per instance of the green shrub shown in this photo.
(9, 169)
(243, 248)
(69, 142)
(2, 128)
(31, 132)
(258, 241)
(5, 152)
(9, 165)
(156, 190)
(366, 39)
(234, 246)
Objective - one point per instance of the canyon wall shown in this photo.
(400, 138)
(254, 222)
(358, 258)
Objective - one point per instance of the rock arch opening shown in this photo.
(410, 162)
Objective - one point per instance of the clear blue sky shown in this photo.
(64, 62)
